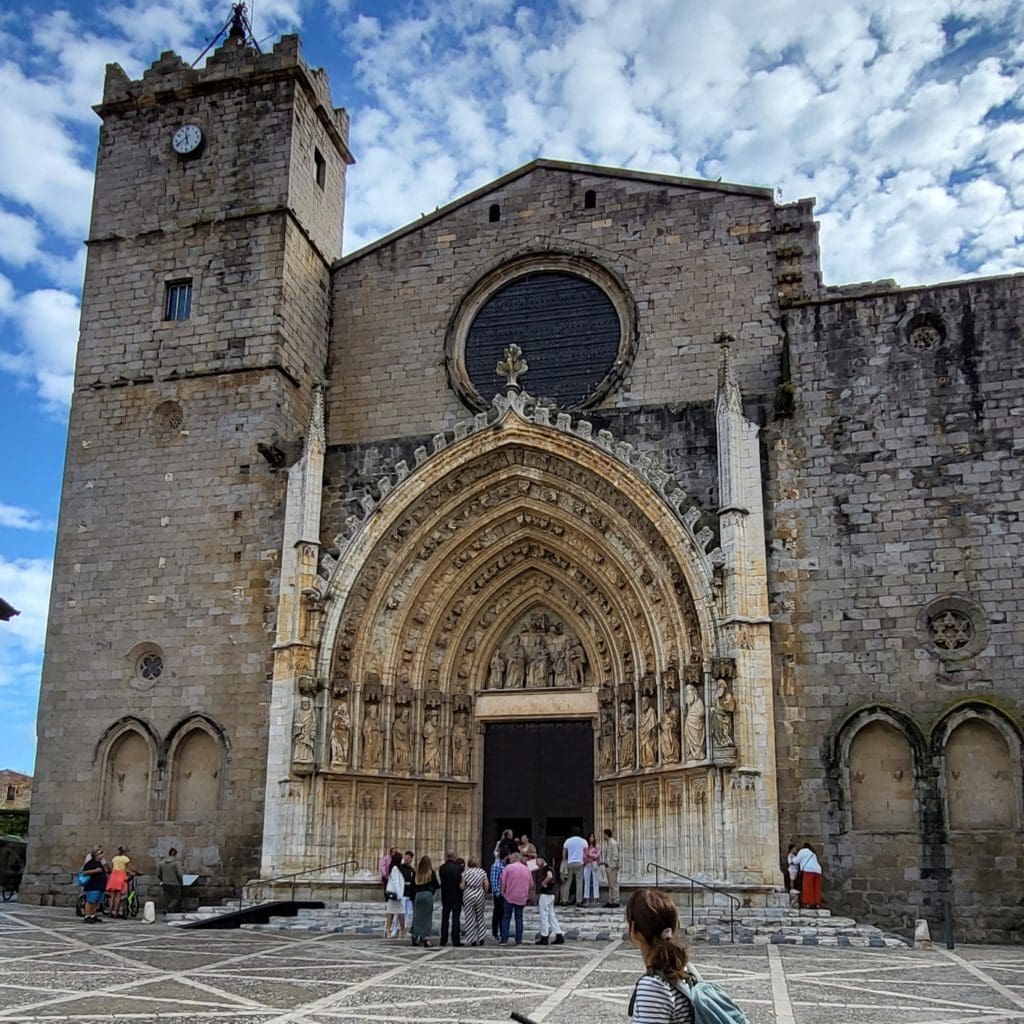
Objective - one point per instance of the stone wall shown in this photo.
(168, 546)
(696, 261)
(896, 540)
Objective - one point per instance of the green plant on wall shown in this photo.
(14, 823)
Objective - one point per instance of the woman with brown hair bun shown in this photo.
(657, 999)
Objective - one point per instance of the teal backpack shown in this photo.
(710, 1004)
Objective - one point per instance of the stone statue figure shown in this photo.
(304, 731)
(460, 746)
(496, 676)
(577, 663)
(431, 744)
(694, 729)
(341, 734)
(373, 738)
(400, 745)
(560, 668)
(606, 747)
(722, 715)
(538, 671)
(515, 676)
(669, 731)
(627, 732)
(648, 733)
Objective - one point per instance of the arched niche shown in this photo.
(881, 779)
(127, 770)
(197, 768)
(982, 769)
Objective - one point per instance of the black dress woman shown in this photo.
(424, 885)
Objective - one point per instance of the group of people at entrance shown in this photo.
(518, 876)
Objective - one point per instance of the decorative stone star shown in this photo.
(512, 367)
(951, 631)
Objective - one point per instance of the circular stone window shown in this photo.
(574, 323)
(168, 419)
(953, 628)
(146, 661)
(925, 330)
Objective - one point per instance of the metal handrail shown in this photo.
(734, 902)
(295, 875)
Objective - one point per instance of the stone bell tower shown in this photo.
(217, 215)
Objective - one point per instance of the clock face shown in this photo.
(187, 139)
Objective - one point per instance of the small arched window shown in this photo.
(590, 199)
(494, 214)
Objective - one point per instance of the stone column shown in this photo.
(750, 828)
(287, 799)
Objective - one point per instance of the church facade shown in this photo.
(580, 502)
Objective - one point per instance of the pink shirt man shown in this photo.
(515, 884)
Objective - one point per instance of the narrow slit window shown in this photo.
(178, 301)
(495, 213)
(590, 199)
(321, 167)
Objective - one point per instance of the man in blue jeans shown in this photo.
(515, 891)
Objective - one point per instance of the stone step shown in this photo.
(861, 937)
(788, 926)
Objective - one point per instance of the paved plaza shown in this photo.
(53, 967)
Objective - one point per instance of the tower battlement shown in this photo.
(169, 79)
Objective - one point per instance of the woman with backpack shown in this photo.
(657, 998)
(671, 992)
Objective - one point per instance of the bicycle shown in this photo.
(129, 901)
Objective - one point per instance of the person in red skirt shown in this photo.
(810, 877)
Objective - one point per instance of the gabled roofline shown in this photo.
(558, 165)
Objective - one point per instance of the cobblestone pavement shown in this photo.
(54, 967)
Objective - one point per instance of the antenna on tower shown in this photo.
(238, 29)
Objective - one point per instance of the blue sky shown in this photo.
(903, 117)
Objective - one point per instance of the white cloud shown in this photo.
(865, 104)
(17, 518)
(46, 328)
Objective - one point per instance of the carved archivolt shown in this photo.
(526, 555)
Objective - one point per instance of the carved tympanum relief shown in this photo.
(457, 544)
(538, 653)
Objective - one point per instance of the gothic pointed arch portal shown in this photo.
(526, 572)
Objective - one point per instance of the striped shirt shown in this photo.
(655, 1001)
